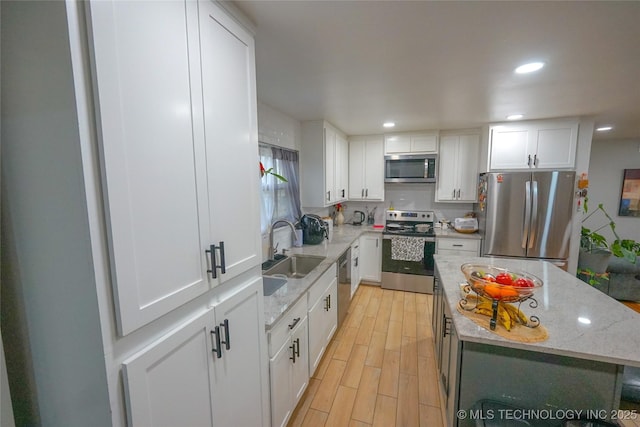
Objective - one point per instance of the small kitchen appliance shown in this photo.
(314, 229)
(358, 218)
(408, 245)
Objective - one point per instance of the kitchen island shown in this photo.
(591, 337)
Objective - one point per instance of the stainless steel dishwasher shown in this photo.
(344, 285)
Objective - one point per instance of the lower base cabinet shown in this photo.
(288, 363)
(447, 351)
(453, 247)
(207, 372)
(371, 257)
(323, 315)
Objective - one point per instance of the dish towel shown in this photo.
(404, 248)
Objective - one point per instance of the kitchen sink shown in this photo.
(295, 266)
(271, 284)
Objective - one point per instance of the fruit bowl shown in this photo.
(500, 283)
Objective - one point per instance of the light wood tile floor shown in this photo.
(379, 369)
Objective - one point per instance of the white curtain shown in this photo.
(280, 200)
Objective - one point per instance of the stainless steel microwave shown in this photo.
(410, 168)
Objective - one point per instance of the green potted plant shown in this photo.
(595, 251)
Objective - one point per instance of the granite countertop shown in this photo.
(582, 322)
(453, 234)
(283, 299)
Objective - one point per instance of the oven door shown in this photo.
(422, 268)
(404, 275)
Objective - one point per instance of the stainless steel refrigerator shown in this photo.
(526, 214)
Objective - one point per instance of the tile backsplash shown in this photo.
(409, 197)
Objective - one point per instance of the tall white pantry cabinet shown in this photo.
(161, 131)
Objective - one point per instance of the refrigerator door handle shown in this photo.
(527, 214)
(534, 214)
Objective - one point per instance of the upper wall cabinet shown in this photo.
(533, 145)
(324, 165)
(411, 142)
(458, 168)
(366, 168)
(171, 142)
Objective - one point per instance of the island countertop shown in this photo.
(582, 322)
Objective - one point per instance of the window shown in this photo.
(280, 200)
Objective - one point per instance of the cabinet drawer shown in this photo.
(470, 245)
(320, 287)
(281, 331)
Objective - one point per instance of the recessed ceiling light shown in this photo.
(388, 124)
(515, 117)
(604, 128)
(529, 68)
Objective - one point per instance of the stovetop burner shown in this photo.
(413, 223)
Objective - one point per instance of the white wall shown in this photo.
(46, 255)
(6, 410)
(277, 128)
(608, 161)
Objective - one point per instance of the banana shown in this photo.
(517, 314)
(505, 318)
(508, 315)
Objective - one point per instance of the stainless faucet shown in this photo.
(293, 230)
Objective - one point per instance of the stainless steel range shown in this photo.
(408, 245)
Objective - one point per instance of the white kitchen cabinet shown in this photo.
(453, 246)
(366, 168)
(533, 145)
(342, 167)
(324, 165)
(371, 257)
(208, 371)
(231, 130)
(411, 143)
(323, 315)
(458, 168)
(240, 374)
(154, 166)
(132, 216)
(355, 266)
(170, 142)
(289, 362)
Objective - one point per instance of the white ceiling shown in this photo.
(448, 65)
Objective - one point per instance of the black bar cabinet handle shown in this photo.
(293, 351)
(217, 349)
(297, 344)
(212, 254)
(295, 322)
(223, 267)
(227, 336)
(445, 327)
(214, 265)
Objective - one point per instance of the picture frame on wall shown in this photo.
(630, 194)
